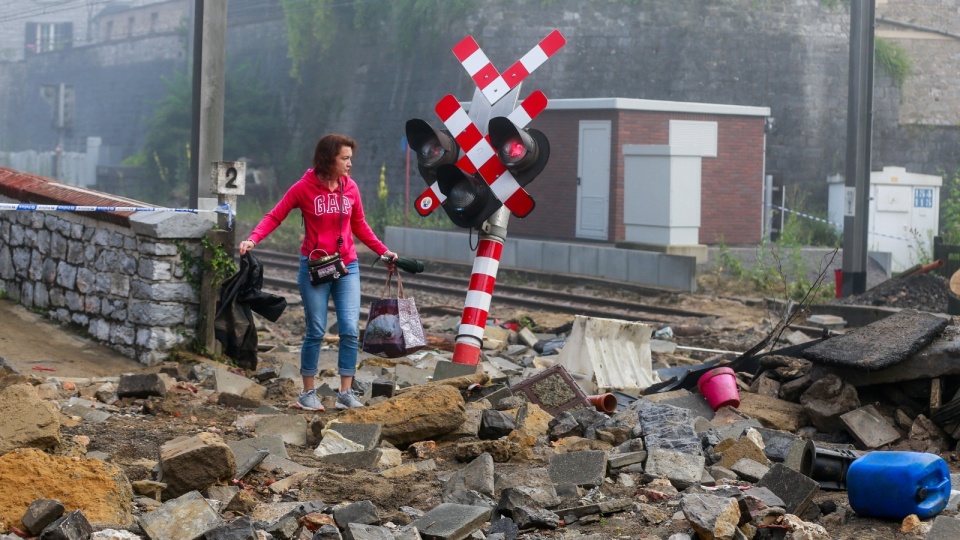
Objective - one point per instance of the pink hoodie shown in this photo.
(319, 207)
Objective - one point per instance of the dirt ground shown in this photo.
(134, 434)
(34, 344)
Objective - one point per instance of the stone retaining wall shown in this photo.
(118, 275)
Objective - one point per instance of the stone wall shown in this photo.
(119, 276)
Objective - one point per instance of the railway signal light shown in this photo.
(469, 201)
(524, 152)
(433, 147)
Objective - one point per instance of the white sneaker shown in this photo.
(348, 400)
(309, 401)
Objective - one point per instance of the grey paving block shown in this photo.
(142, 385)
(944, 528)
(184, 518)
(682, 469)
(450, 521)
(367, 435)
(585, 468)
(94, 416)
(776, 443)
(245, 448)
(869, 427)
(881, 344)
(366, 459)
(292, 428)
(450, 370)
(795, 489)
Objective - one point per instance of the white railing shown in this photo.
(76, 168)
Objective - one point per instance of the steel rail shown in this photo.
(505, 294)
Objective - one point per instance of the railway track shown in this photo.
(605, 299)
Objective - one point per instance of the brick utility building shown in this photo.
(658, 175)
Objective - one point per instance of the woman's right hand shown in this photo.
(246, 246)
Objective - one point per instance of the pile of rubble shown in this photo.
(512, 450)
(924, 291)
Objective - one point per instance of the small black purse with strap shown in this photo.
(328, 267)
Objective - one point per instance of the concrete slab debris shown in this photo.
(611, 354)
(881, 344)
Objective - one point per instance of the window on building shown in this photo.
(130, 26)
(46, 37)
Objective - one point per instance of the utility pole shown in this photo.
(859, 126)
(209, 85)
(206, 137)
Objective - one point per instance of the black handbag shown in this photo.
(325, 268)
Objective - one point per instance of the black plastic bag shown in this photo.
(241, 297)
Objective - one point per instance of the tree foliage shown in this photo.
(312, 24)
(253, 129)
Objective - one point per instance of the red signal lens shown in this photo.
(513, 150)
(431, 152)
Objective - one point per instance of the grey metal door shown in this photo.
(593, 180)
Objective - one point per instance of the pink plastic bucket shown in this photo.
(719, 386)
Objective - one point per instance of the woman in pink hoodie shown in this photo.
(329, 201)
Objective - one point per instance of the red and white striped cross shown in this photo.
(493, 85)
(480, 156)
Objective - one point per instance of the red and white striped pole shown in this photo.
(480, 292)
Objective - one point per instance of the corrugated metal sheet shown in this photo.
(30, 188)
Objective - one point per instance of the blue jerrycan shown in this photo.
(896, 484)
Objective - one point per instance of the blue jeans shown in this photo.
(346, 301)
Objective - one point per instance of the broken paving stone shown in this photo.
(28, 421)
(362, 512)
(195, 463)
(292, 428)
(749, 470)
(358, 531)
(869, 428)
(826, 400)
(881, 344)
(41, 513)
(586, 468)
(366, 435)
(451, 521)
(364, 459)
(418, 414)
(239, 529)
(73, 526)
(533, 518)
(711, 516)
(495, 424)
(682, 470)
(184, 518)
(944, 528)
(668, 427)
(795, 489)
(773, 413)
(776, 444)
(742, 448)
(476, 476)
(143, 385)
(409, 468)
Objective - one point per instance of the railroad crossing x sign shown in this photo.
(479, 154)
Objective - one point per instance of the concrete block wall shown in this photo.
(676, 272)
(121, 277)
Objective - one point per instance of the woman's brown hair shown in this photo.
(328, 148)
